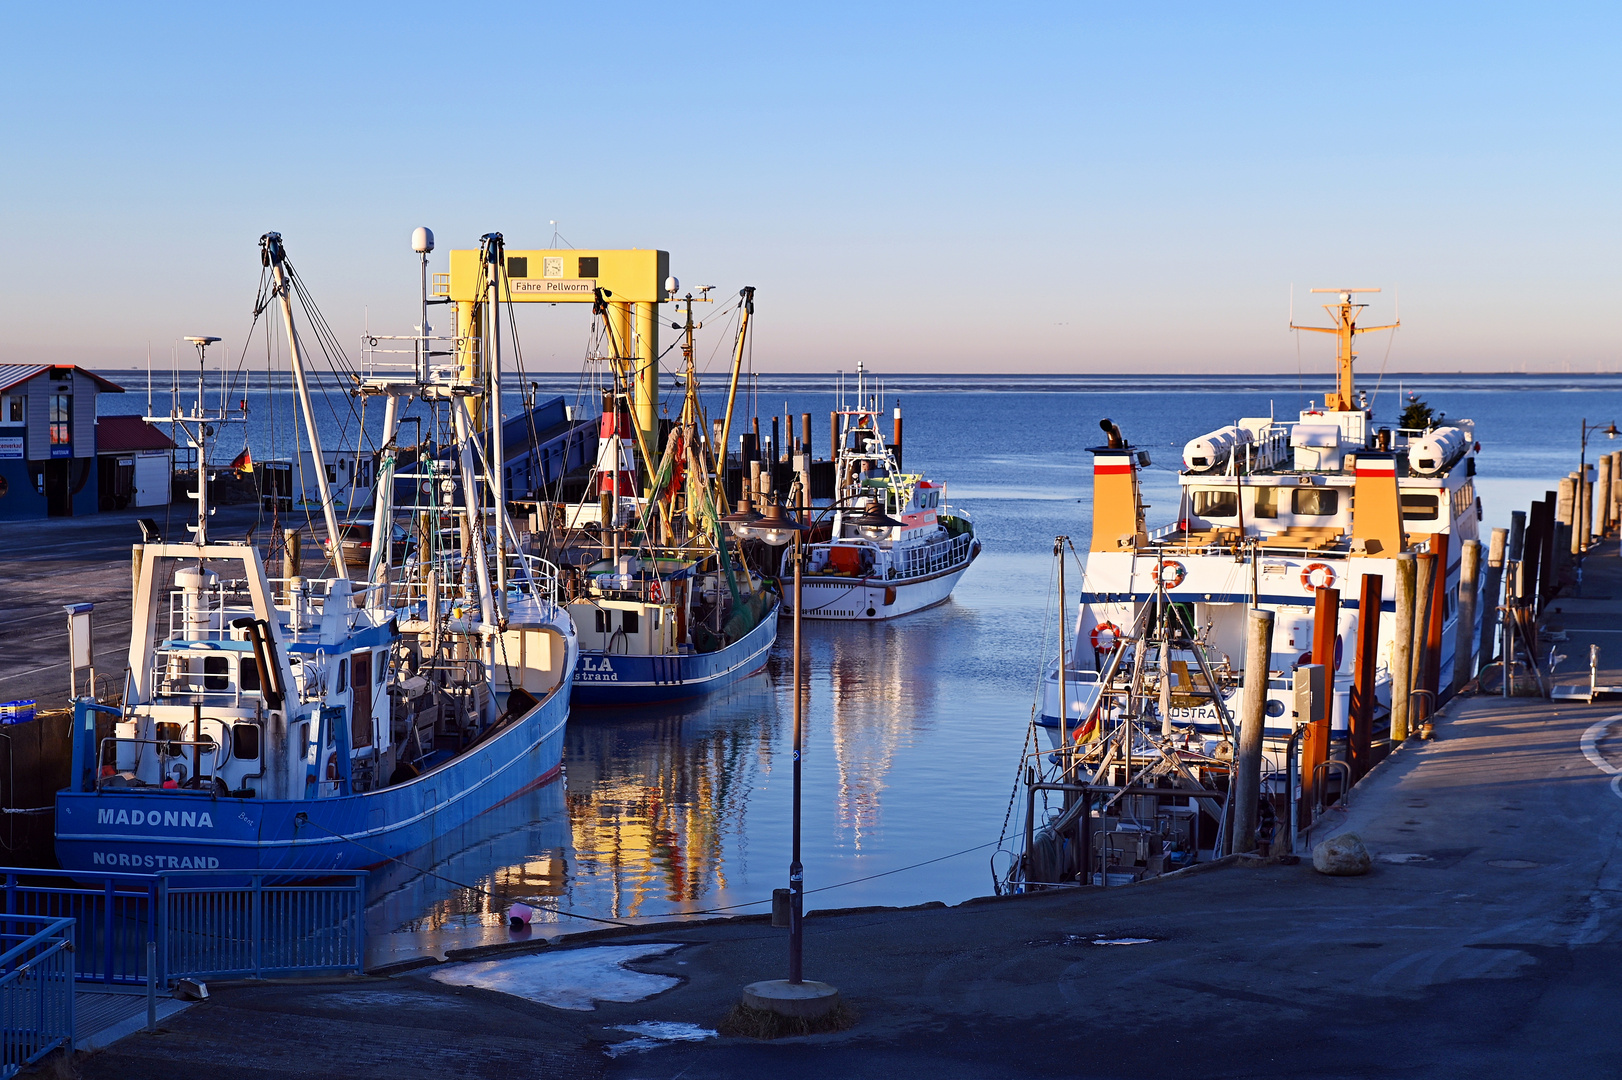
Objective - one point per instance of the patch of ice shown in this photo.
(653, 1033)
(1404, 857)
(567, 978)
(1123, 941)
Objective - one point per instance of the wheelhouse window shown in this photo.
(1216, 504)
(1314, 502)
(1267, 502)
(216, 673)
(1419, 507)
(248, 676)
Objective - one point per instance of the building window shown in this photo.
(13, 410)
(61, 419)
(1314, 502)
(1216, 504)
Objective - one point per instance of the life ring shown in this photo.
(1311, 570)
(655, 592)
(1178, 573)
(1111, 635)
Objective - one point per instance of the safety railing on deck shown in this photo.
(36, 989)
(206, 924)
(937, 557)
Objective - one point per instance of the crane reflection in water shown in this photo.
(685, 808)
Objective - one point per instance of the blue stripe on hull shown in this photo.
(165, 830)
(609, 679)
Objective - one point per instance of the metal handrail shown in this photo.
(215, 746)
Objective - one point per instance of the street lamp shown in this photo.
(792, 996)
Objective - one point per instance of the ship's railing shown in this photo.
(36, 989)
(172, 748)
(931, 559)
(200, 676)
(384, 355)
(531, 575)
(204, 923)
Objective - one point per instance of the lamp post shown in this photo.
(793, 996)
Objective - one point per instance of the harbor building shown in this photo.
(48, 461)
(135, 463)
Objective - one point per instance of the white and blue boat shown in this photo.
(663, 605)
(307, 723)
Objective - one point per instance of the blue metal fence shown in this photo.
(36, 989)
(261, 926)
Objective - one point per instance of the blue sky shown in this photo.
(928, 187)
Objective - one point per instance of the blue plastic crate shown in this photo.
(17, 712)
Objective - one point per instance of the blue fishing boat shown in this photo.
(661, 599)
(310, 722)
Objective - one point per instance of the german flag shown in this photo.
(243, 462)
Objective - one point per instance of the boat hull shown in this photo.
(148, 832)
(605, 680)
(855, 599)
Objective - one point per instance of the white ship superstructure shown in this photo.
(1270, 512)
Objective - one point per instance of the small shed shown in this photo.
(135, 463)
(48, 440)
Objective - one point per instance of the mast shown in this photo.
(493, 252)
(748, 295)
(199, 439)
(272, 253)
(1345, 314)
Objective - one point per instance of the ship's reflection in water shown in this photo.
(686, 808)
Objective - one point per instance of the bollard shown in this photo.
(1361, 736)
(1496, 547)
(290, 553)
(1465, 634)
(1438, 616)
(1603, 513)
(1402, 644)
(1418, 654)
(1616, 487)
(1546, 557)
(1567, 500)
(1315, 742)
(1588, 506)
(1248, 759)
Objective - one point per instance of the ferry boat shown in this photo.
(1266, 519)
(1142, 703)
(324, 723)
(896, 545)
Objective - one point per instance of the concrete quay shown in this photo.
(1485, 941)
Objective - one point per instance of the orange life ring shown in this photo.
(1178, 573)
(655, 592)
(1313, 568)
(1110, 632)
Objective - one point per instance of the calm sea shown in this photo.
(915, 727)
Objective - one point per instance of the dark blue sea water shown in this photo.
(914, 727)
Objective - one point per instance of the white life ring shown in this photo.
(1314, 571)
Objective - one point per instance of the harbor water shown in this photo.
(914, 727)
